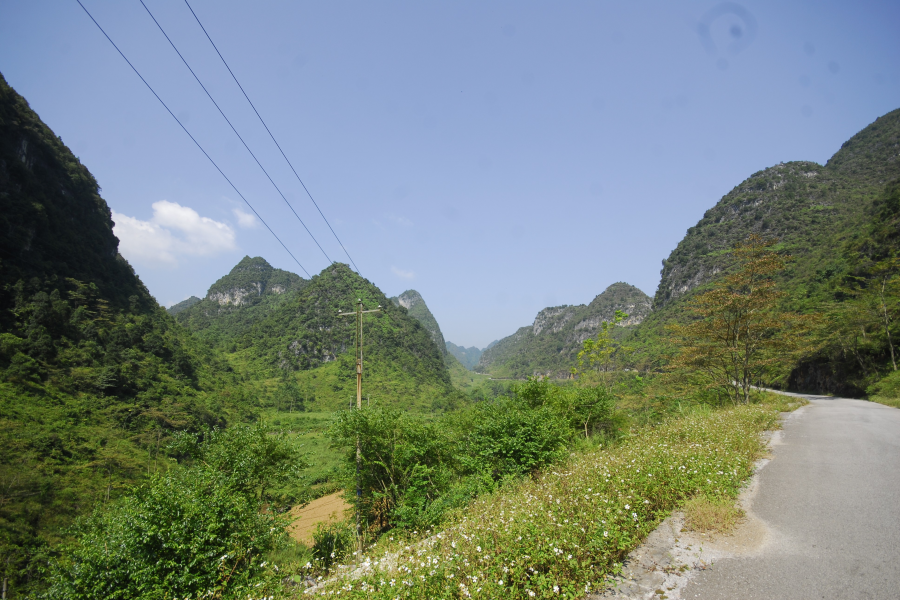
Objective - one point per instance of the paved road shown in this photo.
(831, 500)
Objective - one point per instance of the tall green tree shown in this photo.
(599, 358)
(739, 334)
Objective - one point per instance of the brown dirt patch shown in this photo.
(326, 509)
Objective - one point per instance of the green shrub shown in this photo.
(559, 534)
(333, 543)
(887, 390)
(412, 471)
(187, 532)
(508, 437)
(405, 463)
(887, 387)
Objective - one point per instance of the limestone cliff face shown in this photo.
(415, 306)
(550, 344)
(552, 319)
(249, 280)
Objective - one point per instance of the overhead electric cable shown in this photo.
(271, 136)
(149, 87)
(235, 131)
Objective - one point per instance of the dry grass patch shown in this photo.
(712, 515)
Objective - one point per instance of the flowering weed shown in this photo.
(560, 534)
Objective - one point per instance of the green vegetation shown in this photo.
(414, 470)
(291, 332)
(415, 305)
(94, 375)
(184, 304)
(130, 421)
(194, 532)
(550, 345)
(236, 303)
(839, 223)
(561, 533)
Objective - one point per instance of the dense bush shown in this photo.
(188, 532)
(413, 471)
(508, 437)
(405, 463)
(333, 543)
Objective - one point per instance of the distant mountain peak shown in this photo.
(409, 299)
(415, 306)
(257, 263)
(249, 279)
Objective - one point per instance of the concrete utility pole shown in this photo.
(359, 312)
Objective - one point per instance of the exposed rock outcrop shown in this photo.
(549, 346)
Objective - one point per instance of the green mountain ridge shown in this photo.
(550, 345)
(799, 203)
(460, 375)
(251, 279)
(820, 215)
(93, 372)
(236, 302)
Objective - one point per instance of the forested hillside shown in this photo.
(93, 372)
(550, 345)
(827, 218)
(274, 326)
(237, 302)
(183, 305)
(95, 376)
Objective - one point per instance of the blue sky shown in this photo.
(499, 157)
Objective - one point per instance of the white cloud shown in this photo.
(245, 219)
(400, 220)
(173, 232)
(403, 274)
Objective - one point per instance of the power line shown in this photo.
(149, 87)
(235, 131)
(270, 135)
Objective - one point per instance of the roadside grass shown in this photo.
(779, 402)
(893, 402)
(561, 533)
